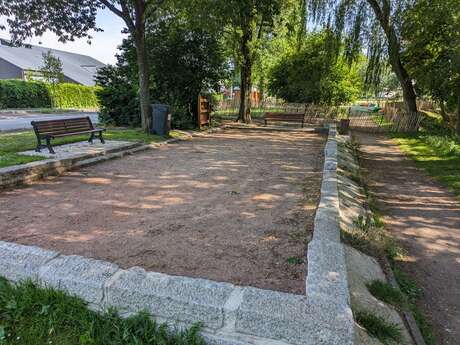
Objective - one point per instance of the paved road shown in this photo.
(425, 218)
(14, 122)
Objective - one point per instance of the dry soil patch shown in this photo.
(235, 206)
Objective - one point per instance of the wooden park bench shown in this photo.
(285, 117)
(52, 129)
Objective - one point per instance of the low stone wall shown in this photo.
(27, 173)
(230, 314)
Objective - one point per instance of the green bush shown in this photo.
(313, 74)
(36, 94)
(24, 94)
(118, 98)
(68, 95)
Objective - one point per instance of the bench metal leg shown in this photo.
(39, 146)
(48, 145)
(91, 137)
(101, 138)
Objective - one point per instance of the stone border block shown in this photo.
(327, 281)
(329, 275)
(181, 299)
(293, 318)
(275, 315)
(18, 262)
(82, 277)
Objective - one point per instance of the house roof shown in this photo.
(79, 68)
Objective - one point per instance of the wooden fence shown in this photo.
(392, 118)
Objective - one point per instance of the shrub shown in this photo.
(36, 94)
(24, 94)
(68, 95)
(184, 61)
(314, 75)
(118, 98)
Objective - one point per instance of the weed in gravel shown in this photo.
(294, 260)
(378, 327)
(388, 294)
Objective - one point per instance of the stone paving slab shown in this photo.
(78, 149)
(67, 157)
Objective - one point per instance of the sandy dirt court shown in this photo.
(235, 206)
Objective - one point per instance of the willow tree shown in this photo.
(370, 22)
(76, 19)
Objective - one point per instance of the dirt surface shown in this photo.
(425, 217)
(237, 206)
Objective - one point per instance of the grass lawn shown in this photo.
(30, 315)
(439, 155)
(11, 143)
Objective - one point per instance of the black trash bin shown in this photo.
(161, 119)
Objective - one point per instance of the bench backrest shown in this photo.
(285, 116)
(62, 126)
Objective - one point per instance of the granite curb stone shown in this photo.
(183, 299)
(18, 262)
(82, 277)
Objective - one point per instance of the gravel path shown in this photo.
(425, 217)
(236, 206)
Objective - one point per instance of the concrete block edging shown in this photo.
(229, 314)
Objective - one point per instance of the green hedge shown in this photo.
(67, 95)
(35, 94)
(24, 94)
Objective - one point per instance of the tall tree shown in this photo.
(432, 52)
(370, 21)
(247, 21)
(134, 14)
(76, 18)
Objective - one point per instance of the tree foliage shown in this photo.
(186, 60)
(431, 34)
(375, 24)
(72, 19)
(67, 19)
(51, 68)
(246, 23)
(314, 75)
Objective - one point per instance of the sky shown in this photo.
(103, 46)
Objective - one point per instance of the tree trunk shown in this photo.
(458, 116)
(246, 78)
(383, 16)
(144, 92)
(410, 98)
